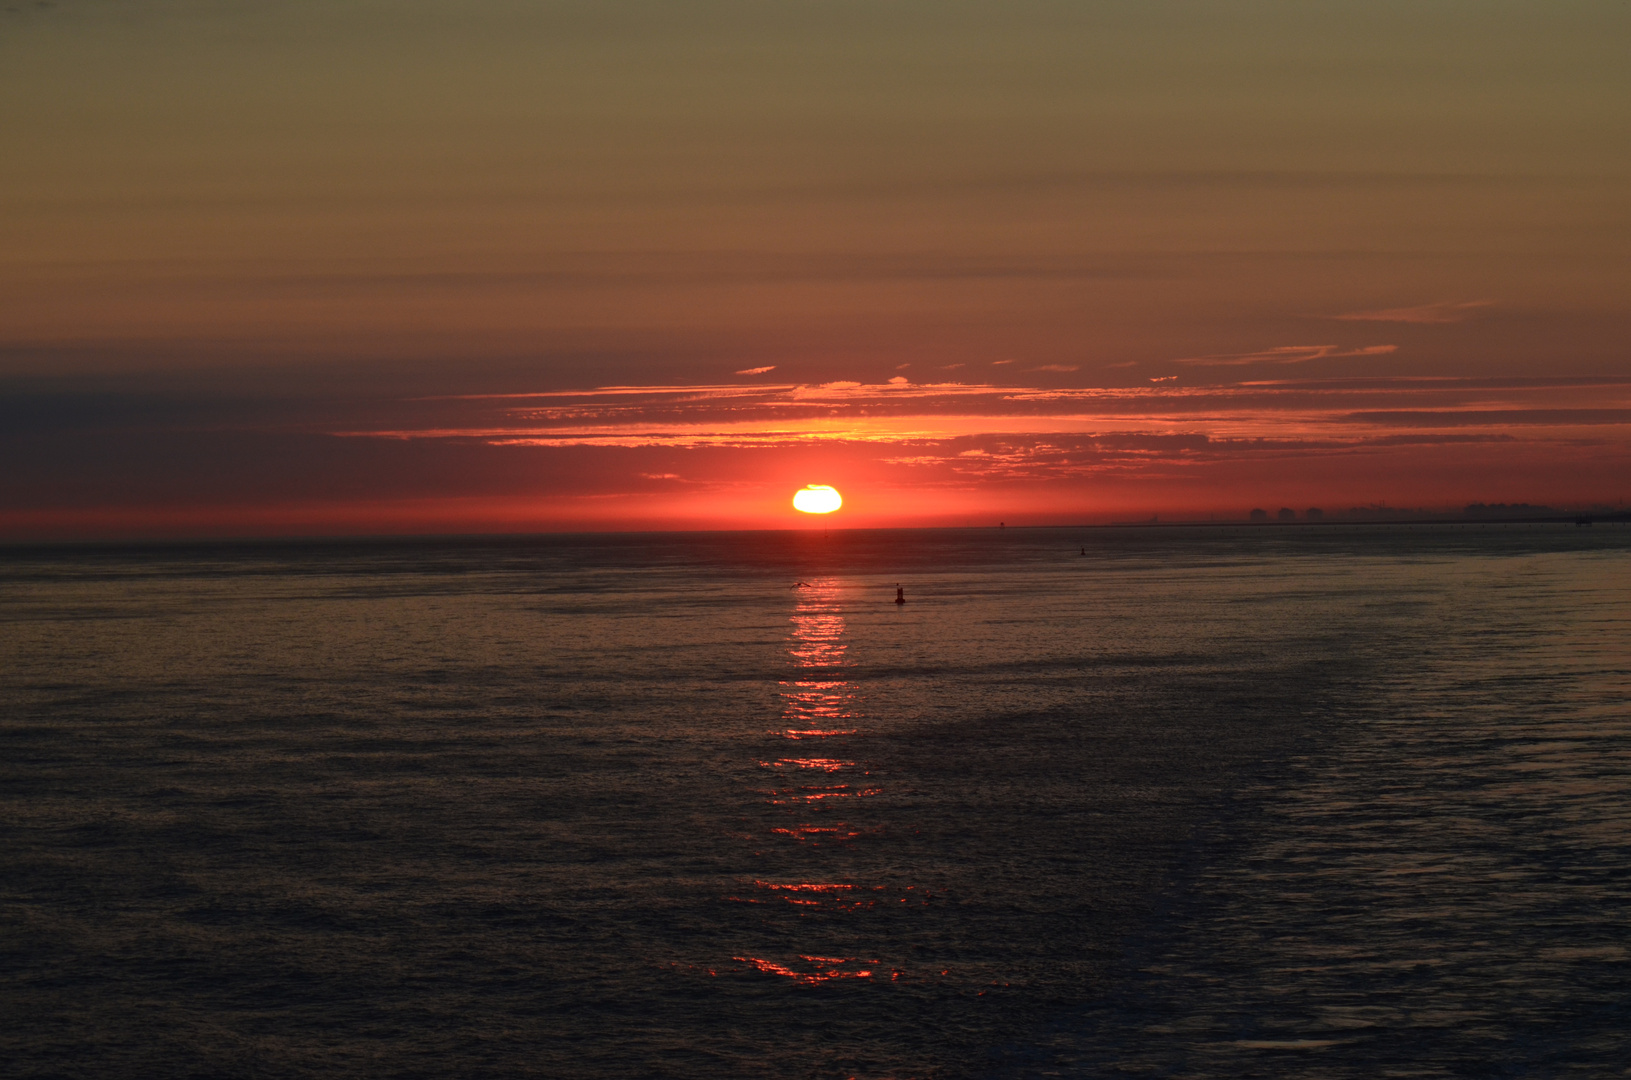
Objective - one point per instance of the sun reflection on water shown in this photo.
(825, 968)
(824, 764)
(818, 701)
(815, 699)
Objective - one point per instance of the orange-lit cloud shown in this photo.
(1325, 412)
(1443, 312)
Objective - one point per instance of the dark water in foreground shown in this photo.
(1316, 802)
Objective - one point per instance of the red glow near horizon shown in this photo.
(936, 454)
(910, 455)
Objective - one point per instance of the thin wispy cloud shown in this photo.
(700, 390)
(920, 417)
(1443, 311)
(1285, 354)
(757, 370)
(1055, 367)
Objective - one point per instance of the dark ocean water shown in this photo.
(1322, 802)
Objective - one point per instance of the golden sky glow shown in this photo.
(559, 265)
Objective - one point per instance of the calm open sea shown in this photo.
(1325, 802)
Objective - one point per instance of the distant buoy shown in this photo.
(900, 595)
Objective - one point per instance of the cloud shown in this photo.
(702, 455)
(697, 390)
(1493, 418)
(1055, 367)
(1285, 354)
(757, 370)
(914, 416)
(1442, 312)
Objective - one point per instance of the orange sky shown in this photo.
(297, 268)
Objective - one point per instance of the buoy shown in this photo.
(900, 595)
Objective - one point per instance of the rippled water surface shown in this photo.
(1316, 801)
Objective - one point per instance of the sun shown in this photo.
(817, 499)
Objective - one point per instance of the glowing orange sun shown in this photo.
(817, 499)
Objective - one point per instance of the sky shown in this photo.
(492, 265)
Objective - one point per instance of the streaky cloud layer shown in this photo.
(725, 455)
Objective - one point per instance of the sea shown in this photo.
(1218, 801)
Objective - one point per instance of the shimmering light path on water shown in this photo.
(1312, 801)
